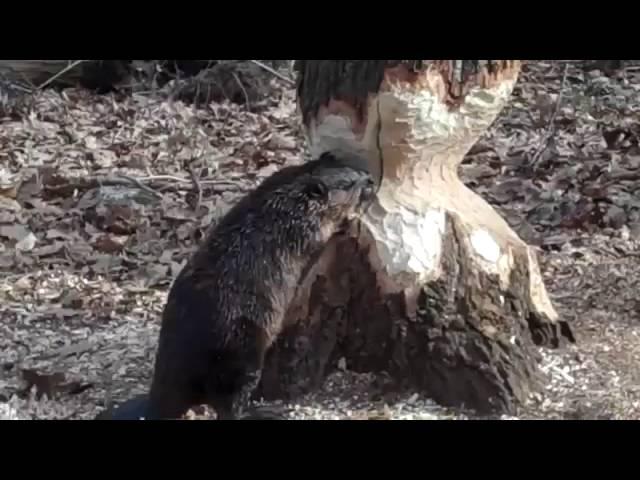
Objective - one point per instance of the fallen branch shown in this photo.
(273, 72)
(621, 177)
(244, 90)
(196, 186)
(142, 186)
(60, 73)
(153, 178)
(82, 184)
(551, 125)
(67, 350)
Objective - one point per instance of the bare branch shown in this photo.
(244, 91)
(196, 187)
(551, 125)
(140, 185)
(71, 66)
(273, 72)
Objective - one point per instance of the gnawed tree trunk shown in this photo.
(434, 287)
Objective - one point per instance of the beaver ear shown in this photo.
(317, 190)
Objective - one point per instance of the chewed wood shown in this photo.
(435, 288)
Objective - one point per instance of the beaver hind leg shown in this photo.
(230, 393)
(172, 400)
(237, 405)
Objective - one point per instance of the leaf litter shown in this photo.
(103, 198)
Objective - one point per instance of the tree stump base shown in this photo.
(432, 286)
(464, 339)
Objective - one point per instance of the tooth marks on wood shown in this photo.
(462, 75)
(340, 85)
(463, 339)
(319, 82)
(451, 80)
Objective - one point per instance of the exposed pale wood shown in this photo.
(434, 288)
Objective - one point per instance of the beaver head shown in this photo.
(319, 196)
(339, 191)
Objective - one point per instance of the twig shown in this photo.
(273, 72)
(196, 186)
(244, 91)
(153, 178)
(14, 85)
(31, 87)
(141, 185)
(621, 177)
(124, 180)
(60, 73)
(563, 374)
(120, 180)
(550, 127)
(68, 350)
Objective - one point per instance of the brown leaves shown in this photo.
(573, 186)
(116, 219)
(9, 191)
(14, 232)
(109, 244)
(23, 239)
(96, 220)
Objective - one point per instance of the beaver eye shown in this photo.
(317, 190)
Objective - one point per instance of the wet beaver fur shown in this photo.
(226, 307)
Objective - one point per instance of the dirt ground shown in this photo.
(102, 198)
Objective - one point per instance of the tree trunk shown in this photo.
(433, 286)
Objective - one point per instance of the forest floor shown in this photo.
(103, 197)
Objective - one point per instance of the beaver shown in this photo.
(227, 305)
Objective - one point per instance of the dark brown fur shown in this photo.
(227, 305)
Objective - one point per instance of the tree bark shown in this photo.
(432, 286)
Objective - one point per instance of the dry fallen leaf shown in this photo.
(55, 234)
(282, 141)
(48, 250)
(23, 283)
(8, 205)
(9, 191)
(27, 243)
(176, 268)
(155, 273)
(14, 232)
(109, 243)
